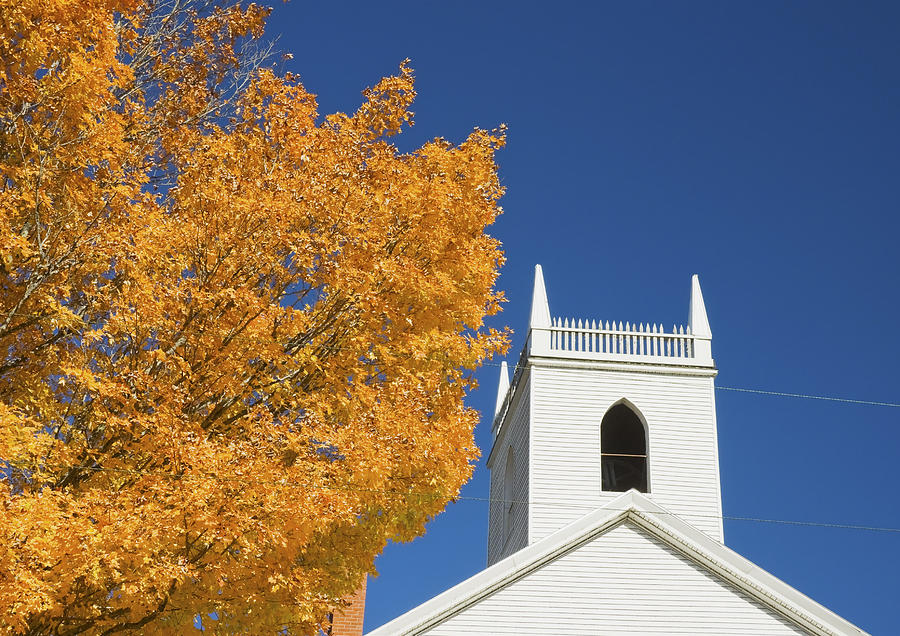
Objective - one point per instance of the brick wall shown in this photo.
(348, 621)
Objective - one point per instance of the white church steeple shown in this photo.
(605, 512)
(598, 407)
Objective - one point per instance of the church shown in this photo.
(606, 509)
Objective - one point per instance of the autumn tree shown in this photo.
(236, 335)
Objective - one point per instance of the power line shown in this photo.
(809, 397)
(817, 524)
(805, 396)
(557, 503)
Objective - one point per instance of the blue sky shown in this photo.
(755, 143)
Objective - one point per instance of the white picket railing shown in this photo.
(623, 339)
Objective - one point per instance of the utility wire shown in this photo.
(557, 502)
(809, 397)
(805, 396)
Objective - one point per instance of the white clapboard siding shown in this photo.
(503, 538)
(568, 405)
(622, 582)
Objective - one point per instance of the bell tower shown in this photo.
(595, 408)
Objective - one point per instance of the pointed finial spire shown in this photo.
(502, 388)
(540, 309)
(697, 320)
(540, 315)
(698, 325)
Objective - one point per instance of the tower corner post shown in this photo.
(539, 325)
(698, 323)
(502, 388)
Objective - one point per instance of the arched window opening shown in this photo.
(509, 477)
(623, 450)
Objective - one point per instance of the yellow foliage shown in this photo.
(236, 336)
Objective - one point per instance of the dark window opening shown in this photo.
(623, 450)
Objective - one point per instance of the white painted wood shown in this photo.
(571, 386)
(540, 315)
(568, 405)
(502, 388)
(508, 511)
(623, 582)
(698, 322)
(571, 338)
